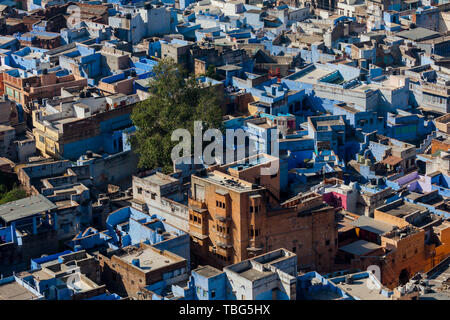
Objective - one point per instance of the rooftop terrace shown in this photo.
(148, 259)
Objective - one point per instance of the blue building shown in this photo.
(271, 276)
(128, 226)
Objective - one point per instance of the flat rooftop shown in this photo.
(207, 271)
(24, 208)
(439, 275)
(159, 179)
(372, 225)
(313, 76)
(402, 209)
(360, 247)
(418, 34)
(149, 259)
(14, 291)
(42, 275)
(360, 288)
(227, 181)
(253, 274)
(250, 162)
(229, 67)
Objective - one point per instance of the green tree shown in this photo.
(211, 72)
(176, 101)
(15, 194)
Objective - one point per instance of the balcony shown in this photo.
(197, 205)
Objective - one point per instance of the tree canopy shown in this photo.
(176, 101)
(16, 193)
(9, 188)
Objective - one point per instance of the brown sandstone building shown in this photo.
(235, 213)
(128, 270)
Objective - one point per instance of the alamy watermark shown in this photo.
(239, 146)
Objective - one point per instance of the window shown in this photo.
(139, 190)
(10, 92)
(220, 204)
(199, 220)
(327, 242)
(294, 249)
(251, 209)
(190, 217)
(213, 293)
(41, 139)
(153, 196)
(195, 218)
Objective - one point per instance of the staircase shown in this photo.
(426, 144)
